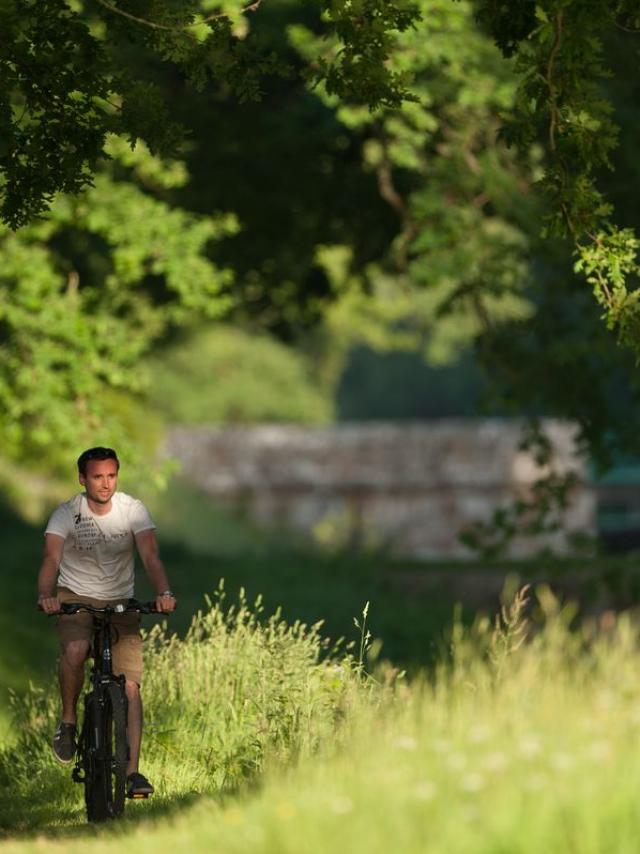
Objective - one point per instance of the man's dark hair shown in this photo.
(96, 454)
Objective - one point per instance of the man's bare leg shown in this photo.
(71, 676)
(134, 724)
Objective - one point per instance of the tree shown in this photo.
(559, 52)
(367, 190)
(63, 87)
(457, 263)
(105, 261)
(549, 353)
(84, 293)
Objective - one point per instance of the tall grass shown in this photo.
(525, 738)
(238, 693)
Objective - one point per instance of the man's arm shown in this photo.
(147, 546)
(47, 600)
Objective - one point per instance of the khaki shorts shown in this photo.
(125, 632)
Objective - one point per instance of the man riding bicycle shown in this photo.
(89, 549)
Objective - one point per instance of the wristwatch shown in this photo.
(168, 593)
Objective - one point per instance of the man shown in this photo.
(89, 550)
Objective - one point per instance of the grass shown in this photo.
(236, 693)
(523, 739)
(261, 735)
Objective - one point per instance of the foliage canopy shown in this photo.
(384, 185)
(64, 87)
(559, 51)
(79, 305)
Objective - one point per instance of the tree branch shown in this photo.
(553, 95)
(553, 110)
(392, 197)
(252, 7)
(388, 190)
(73, 283)
(626, 29)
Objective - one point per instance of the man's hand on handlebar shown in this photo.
(49, 604)
(165, 603)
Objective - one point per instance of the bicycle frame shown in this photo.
(101, 675)
(105, 718)
(102, 644)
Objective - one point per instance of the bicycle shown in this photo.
(103, 746)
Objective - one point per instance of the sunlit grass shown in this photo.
(239, 692)
(525, 738)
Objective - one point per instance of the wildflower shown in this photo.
(529, 746)
(495, 761)
(606, 700)
(441, 745)
(424, 790)
(536, 782)
(562, 761)
(479, 733)
(472, 782)
(341, 805)
(456, 761)
(598, 751)
(405, 742)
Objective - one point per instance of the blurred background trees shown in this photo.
(325, 219)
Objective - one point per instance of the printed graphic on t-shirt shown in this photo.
(88, 535)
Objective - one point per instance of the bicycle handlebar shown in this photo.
(133, 605)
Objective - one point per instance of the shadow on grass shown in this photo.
(51, 806)
(62, 815)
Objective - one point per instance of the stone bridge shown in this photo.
(407, 487)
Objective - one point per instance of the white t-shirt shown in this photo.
(98, 553)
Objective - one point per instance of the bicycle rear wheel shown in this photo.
(105, 752)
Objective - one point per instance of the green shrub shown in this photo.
(221, 375)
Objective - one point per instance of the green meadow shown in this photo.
(261, 735)
(276, 730)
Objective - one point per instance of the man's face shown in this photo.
(101, 480)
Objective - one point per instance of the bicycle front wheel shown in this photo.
(106, 752)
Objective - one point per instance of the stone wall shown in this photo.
(410, 488)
